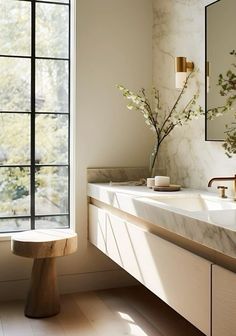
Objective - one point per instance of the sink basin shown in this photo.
(196, 202)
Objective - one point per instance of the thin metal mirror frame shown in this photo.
(206, 135)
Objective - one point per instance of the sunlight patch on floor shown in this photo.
(135, 330)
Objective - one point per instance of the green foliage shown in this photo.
(51, 96)
(227, 85)
(230, 143)
(14, 191)
(51, 148)
(162, 121)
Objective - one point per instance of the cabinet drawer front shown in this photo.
(175, 275)
(223, 302)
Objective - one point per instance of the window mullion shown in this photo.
(69, 116)
(33, 94)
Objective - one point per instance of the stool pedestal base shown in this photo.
(43, 297)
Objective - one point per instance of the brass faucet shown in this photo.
(233, 178)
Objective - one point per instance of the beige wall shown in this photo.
(114, 45)
(179, 30)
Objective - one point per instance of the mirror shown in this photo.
(220, 56)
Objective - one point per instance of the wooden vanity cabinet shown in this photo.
(179, 277)
(223, 302)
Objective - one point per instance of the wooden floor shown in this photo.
(130, 311)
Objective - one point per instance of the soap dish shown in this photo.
(171, 187)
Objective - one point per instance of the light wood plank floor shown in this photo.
(130, 311)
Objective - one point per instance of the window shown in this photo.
(34, 114)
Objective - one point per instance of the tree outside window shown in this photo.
(34, 114)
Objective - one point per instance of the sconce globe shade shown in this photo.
(180, 79)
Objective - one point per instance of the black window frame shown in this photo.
(33, 113)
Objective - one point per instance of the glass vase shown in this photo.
(153, 159)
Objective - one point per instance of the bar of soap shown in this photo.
(162, 181)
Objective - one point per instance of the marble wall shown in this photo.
(179, 30)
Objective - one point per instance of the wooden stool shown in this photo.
(44, 246)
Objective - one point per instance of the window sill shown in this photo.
(5, 237)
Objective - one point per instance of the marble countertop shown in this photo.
(215, 229)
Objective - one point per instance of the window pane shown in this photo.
(51, 139)
(14, 191)
(51, 222)
(51, 86)
(15, 84)
(52, 30)
(14, 138)
(14, 224)
(15, 32)
(51, 190)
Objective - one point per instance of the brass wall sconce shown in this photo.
(182, 66)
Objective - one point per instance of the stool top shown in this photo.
(44, 243)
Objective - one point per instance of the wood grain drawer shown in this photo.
(177, 276)
(223, 302)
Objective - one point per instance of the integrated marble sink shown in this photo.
(197, 215)
(196, 202)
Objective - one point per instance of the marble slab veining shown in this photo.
(215, 229)
(103, 175)
(119, 174)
